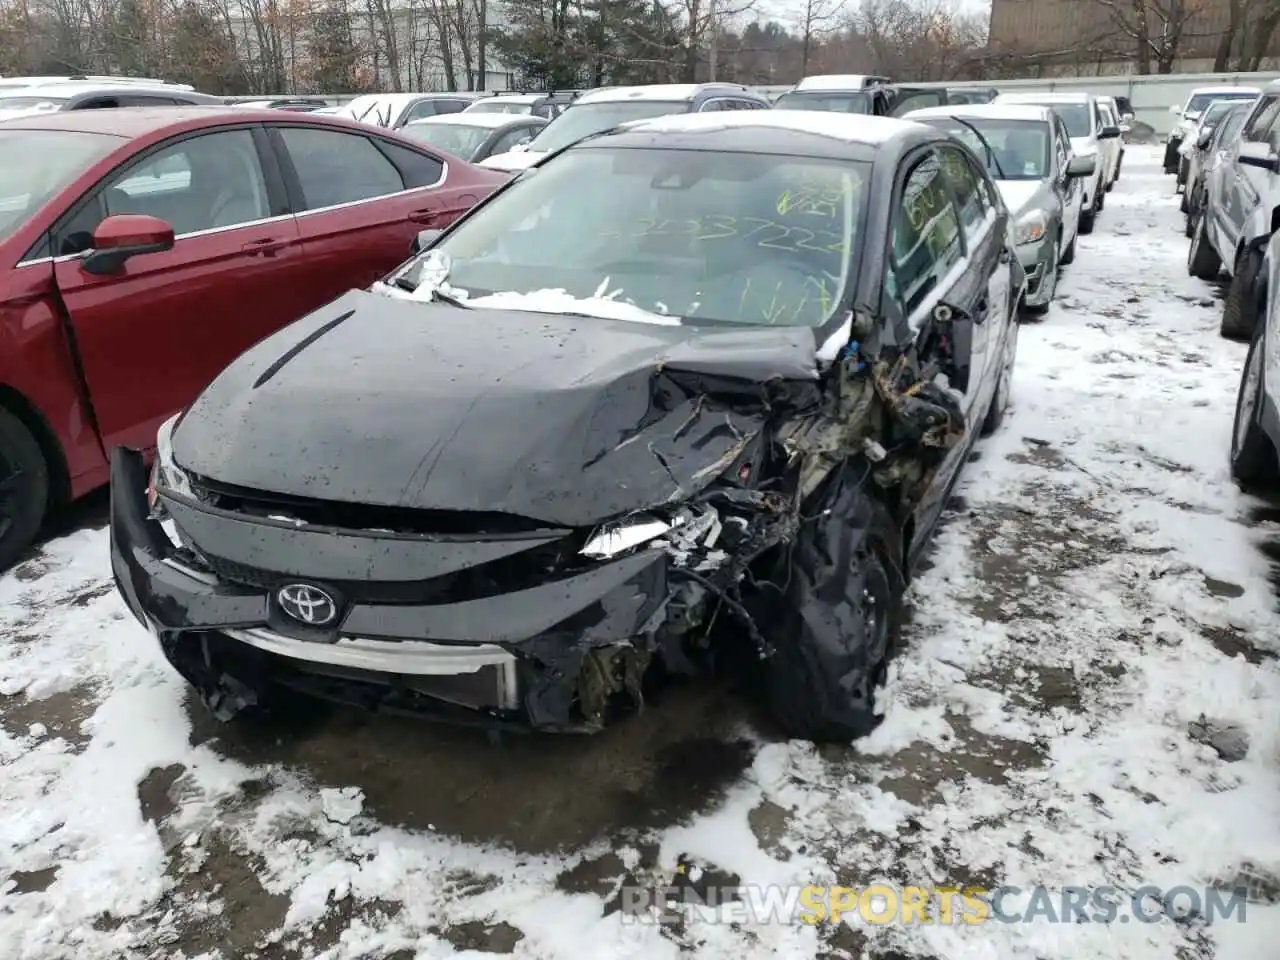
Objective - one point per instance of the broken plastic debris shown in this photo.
(341, 804)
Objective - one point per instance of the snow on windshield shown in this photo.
(659, 236)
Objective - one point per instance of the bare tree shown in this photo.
(817, 21)
(1155, 29)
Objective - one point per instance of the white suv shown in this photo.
(1188, 115)
(1091, 136)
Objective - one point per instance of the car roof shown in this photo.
(513, 98)
(660, 91)
(833, 82)
(1072, 96)
(858, 129)
(1201, 91)
(993, 111)
(65, 91)
(466, 118)
(131, 122)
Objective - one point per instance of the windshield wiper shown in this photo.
(991, 154)
(402, 282)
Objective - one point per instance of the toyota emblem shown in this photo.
(307, 604)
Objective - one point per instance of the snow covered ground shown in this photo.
(1088, 697)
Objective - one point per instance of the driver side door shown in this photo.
(948, 248)
(152, 334)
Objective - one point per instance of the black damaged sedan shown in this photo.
(687, 395)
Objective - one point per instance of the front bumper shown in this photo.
(511, 659)
(1035, 258)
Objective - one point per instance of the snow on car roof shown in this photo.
(855, 128)
(654, 91)
(1067, 96)
(512, 98)
(833, 81)
(1200, 91)
(467, 118)
(994, 111)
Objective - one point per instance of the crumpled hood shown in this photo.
(1018, 194)
(561, 419)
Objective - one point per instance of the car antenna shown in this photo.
(991, 154)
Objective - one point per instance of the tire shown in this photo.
(1119, 164)
(24, 488)
(1087, 218)
(1240, 312)
(1189, 221)
(1184, 168)
(1037, 312)
(1069, 254)
(1183, 206)
(1000, 399)
(1253, 455)
(804, 697)
(1203, 261)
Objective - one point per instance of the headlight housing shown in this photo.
(1031, 227)
(165, 472)
(616, 537)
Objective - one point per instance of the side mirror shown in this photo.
(1176, 111)
(1081, 166)
(522, 145)
(1109, 132)
(125, 235)
(424, 240)
(1205, 138)
(1257, 154)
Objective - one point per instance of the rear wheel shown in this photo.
(1253, 455)
(24, 488)
(1202, 260)
(1240, 312)
(1004, 388)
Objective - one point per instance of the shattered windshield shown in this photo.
(584, 119)
(849, 101)
(659, 236)
(39, 163)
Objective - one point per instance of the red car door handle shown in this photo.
(264, 248)
(427, 216)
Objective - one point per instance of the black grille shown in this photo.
(359, 516)
(538, 565)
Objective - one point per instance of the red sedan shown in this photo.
(142, 250)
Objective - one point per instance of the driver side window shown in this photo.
(925, 235)
(201, 183)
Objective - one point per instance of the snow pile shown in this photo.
(1087, 696)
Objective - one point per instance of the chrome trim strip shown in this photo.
(199, 576)
(180, 236)
(416, 657)
(444, 175)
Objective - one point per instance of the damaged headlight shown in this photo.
(682, 531)
(165, 472)
(1031, 227)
